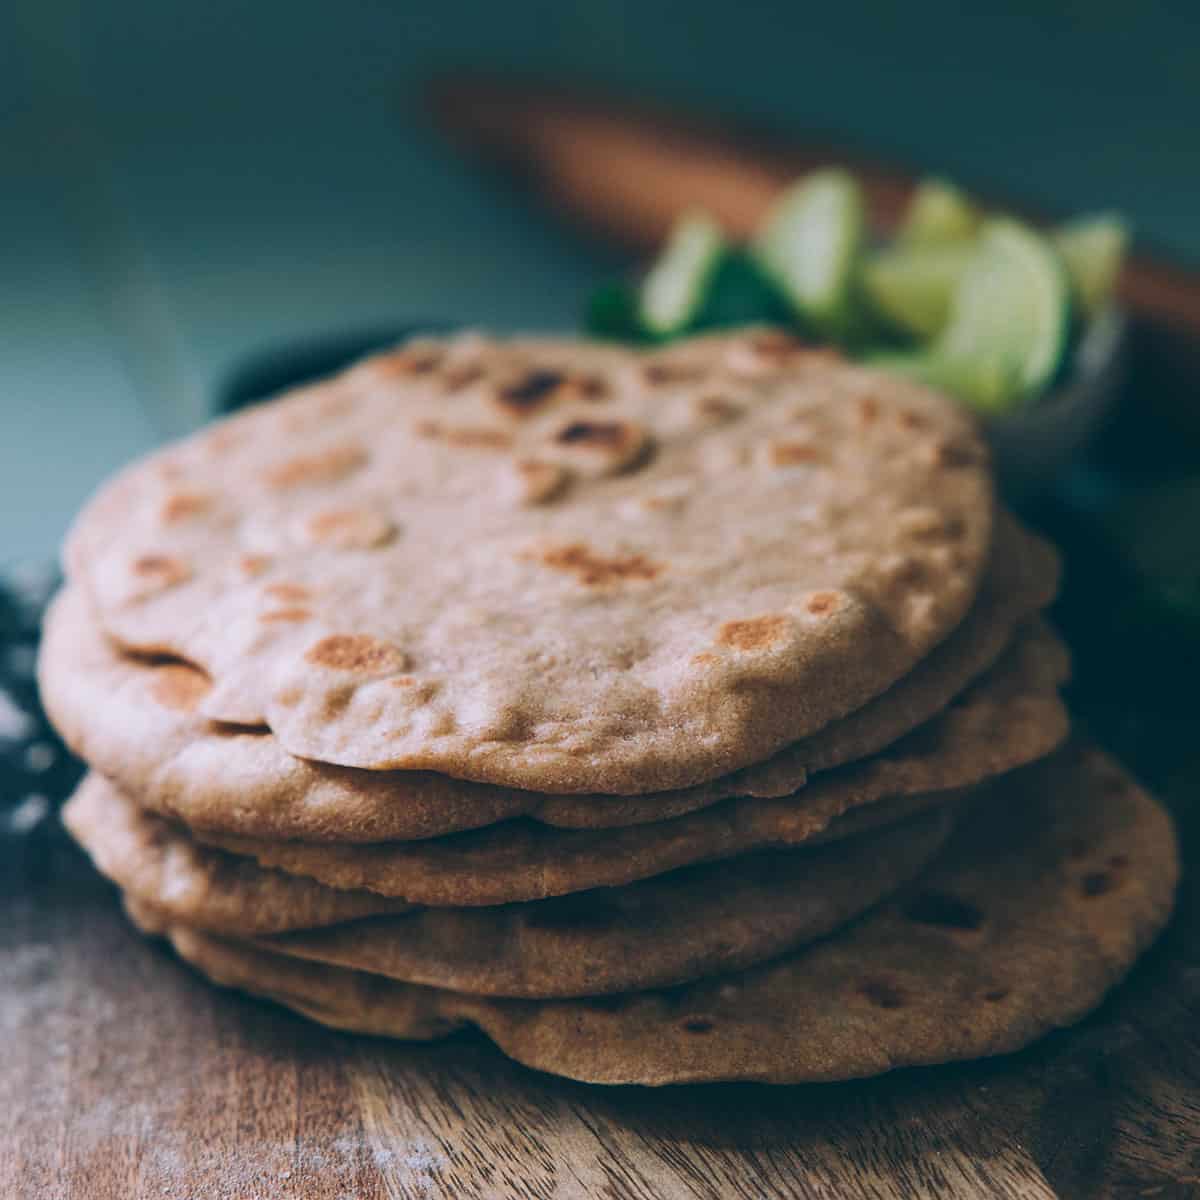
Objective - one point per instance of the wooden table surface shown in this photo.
(124, 1076)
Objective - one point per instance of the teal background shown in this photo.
(183, 183)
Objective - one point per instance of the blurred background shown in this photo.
(183, 185)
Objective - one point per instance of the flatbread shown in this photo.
(698, 921)
(198, 885)
(1010, 717)
(553, 565)
(136, 720)
(1046, 896)
(693, 922)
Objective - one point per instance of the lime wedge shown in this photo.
(1010, 317)
(1013, 304)
(911, 286)
(938, 212)
(1092, 250)
(809, 247)
(676, 286)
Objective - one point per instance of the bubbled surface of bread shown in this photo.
(552, 564)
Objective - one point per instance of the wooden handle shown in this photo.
(626, 170)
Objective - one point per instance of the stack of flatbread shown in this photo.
(668, 715)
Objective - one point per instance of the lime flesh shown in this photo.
(912, 286)
(1009, 323)
(938, 212)
(675, 289)
(810, 246)
(1012, 306)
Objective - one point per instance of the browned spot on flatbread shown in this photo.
(775, 342)
(770, 350)
(286, 614)
(253, 564)
(469, 438)
(287, 591)
(772, 346)
(419, 690)
(528, 392)
(606, 445)
(350, 529)
(911, 420)
(715, 409)
(658, 374)
(461, 375)
(357, 652)
(790, 454)
(536, 482)
(591, 389)
(334, 702)
(594, 568)
(822, 603)
(182, 505)
(599, 434)
(754, 633)
(326, 466)
(868, 410)
(155, 572)
(705, 658)
(179, 687)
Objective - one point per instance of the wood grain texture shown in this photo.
(124, 1076)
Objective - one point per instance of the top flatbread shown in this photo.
(137, 721)
(552, 564)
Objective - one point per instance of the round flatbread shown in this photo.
(137, 721)
(206, 888)
(1043, 900)
(681, 926)
(553, 565)
(698, 921)
(1010, 717)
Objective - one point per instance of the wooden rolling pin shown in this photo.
(626, 170)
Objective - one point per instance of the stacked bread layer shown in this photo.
(512, 683)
